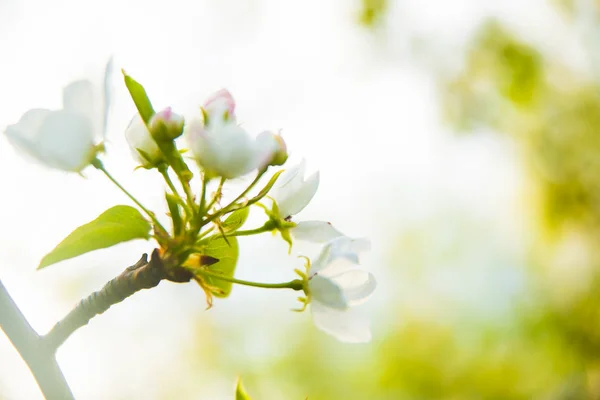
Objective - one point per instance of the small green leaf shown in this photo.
(240, 393)
(115, 225)
(227, 254)
(268, 187)
(139, 97)
(173, 204)
(236, 220)
(151, 161)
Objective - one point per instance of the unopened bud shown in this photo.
(166, 125)
(273, 147)
(143, 146)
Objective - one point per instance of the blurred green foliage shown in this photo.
(548, 347)
(553, 114)
(372, 12)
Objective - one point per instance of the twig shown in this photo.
(141, 275)
(39, 358)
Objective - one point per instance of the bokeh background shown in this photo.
(462, 137)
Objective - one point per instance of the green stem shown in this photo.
(98, 165)
(163, 169)
(217, 194)
(267, 227)
(188, 191)
(206, 232)
(175, 160)
(296, 284)
(228, 207)
(203, 195)
(254, 182)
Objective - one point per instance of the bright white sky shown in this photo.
(351, 102)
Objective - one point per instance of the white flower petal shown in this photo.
(327, 292)
(91, 99)
(29, 124)
(315, 231)
(292, 193)
(66, 141)
(224, 149)
(341, 251)
(296, 173)
(288, 183)
(348, 326)
(218, 104)
(302, 197)
(357, 285)
(349, 248)
(196, 135)
(359, 245)
(107, 95)
(57, 139)
(325, 258)
(143, 147)
(334, 266)
(22, 135)
(78, 97)
(235, 150)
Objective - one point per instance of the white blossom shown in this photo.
(67, 138)
(220, 145)
(292, 193)
(336, 285)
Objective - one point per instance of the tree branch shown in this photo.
(141, 275)
(39, 351)
(39, 358)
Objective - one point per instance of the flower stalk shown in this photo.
(100, 166)
(295, 284)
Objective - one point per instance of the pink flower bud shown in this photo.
(166, 125)
(220, 105)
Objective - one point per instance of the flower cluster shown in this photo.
(202, 242)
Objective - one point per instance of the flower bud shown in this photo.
(143, 146)
(224, 150)
(222, 147)
(220, 106)
(274, 148)
(166, 125)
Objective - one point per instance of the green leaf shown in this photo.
(173, 204)
(267, 188)
(236, 220)
(139, 97)
(240, 393)
(227, 254)
(115, 225)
